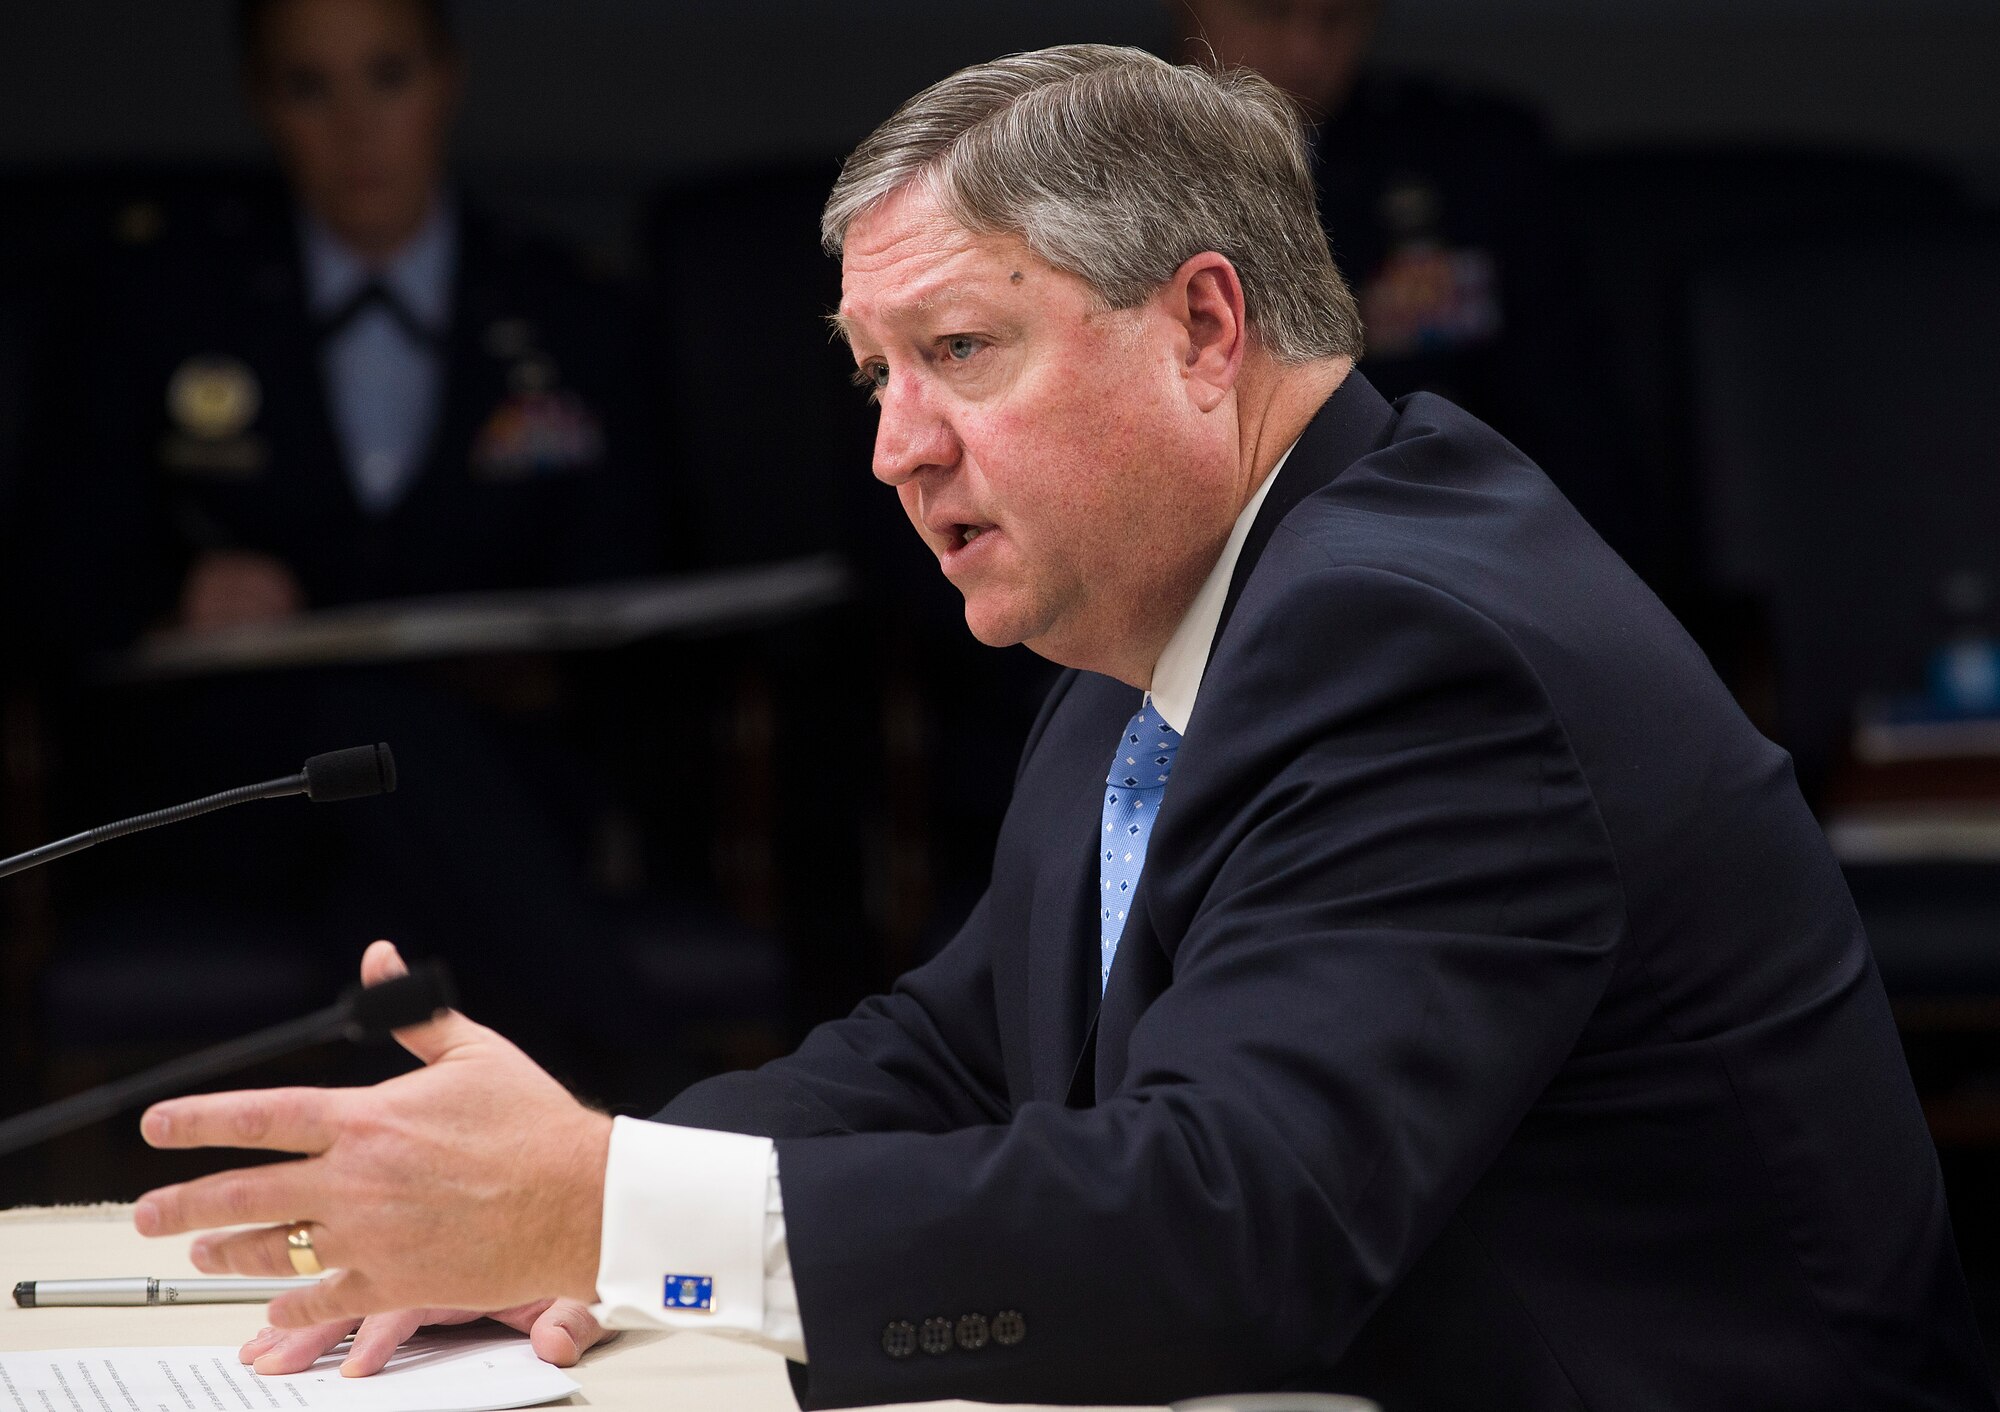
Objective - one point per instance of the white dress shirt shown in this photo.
(384, 385)
(690, 1202)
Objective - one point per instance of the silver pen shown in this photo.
(145, 1289)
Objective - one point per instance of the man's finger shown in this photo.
(276, 1351)
(382, 1334)
(344, 1294)
(265, 1251)
(273, 1119)
(382, 962)
(431, 1041)
(565, 1332)
(248, 1196)
(243, 1253)
(521, 1318)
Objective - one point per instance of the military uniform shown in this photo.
(208, 424)
(204, 420)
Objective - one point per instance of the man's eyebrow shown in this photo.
(942, 297)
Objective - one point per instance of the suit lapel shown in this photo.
(1063, 930)
(1353, 422)
(1349, 425)
(1070, 1061)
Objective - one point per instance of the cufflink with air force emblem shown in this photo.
(690, 1294)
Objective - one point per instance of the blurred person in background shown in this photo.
(1442, 207)
(355, 387)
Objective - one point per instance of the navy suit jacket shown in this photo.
(1491, 1029)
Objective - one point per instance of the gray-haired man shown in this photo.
(1404, 970)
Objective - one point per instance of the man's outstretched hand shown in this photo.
(560, 1330)
(475, 1182)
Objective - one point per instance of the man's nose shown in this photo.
(910, 437)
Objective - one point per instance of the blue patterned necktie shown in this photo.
(1133, 789)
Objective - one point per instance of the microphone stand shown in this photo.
(361, 1014)
(355, 773)
(76, 843)
(338, 774)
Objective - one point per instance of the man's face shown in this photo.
(1309, 48)
(1048, 450)
(358, 103)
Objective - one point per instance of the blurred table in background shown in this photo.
(471, 624)
(1912, 811)
(1917, 790)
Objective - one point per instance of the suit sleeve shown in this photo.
(1386, 922)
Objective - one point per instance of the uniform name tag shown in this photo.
(691, 1294)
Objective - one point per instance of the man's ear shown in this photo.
(1206, 299)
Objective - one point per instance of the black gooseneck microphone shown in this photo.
(362, 1013)
(336, 775)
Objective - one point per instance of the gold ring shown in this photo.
(299, 1245)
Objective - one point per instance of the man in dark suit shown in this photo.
(1404, 970)
(344, 387)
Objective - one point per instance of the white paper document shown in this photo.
(430, 1374)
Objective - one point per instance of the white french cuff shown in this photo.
(684, 1206)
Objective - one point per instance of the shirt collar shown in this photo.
(1177, 675)
(419, 274)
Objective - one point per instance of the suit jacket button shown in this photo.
(936, 1336)
(972, 1332)
(899, 1340)
(1009, 1328)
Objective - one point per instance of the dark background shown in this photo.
(575, 108)
(1687, 130)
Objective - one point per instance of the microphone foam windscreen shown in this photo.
(350, 774)
(406, 1000)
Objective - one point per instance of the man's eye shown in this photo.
(961, 346)
(873, 376)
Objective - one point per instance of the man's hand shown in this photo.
(561, 1330)
(229, 588)
(476, 1182)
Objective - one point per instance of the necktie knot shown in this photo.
(1145, 754)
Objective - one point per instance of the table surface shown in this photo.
(81, 1242)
